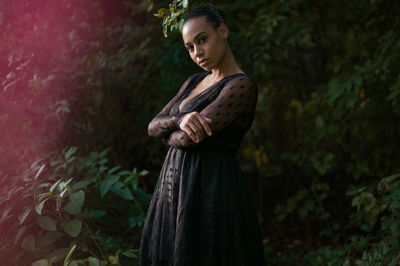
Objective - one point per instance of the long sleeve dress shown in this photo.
(202, 212)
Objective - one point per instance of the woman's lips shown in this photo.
(203, 62)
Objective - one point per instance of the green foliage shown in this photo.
(69, 218)
(172, 17)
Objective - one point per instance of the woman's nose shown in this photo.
(198, 51)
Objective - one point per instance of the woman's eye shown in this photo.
(202, 39)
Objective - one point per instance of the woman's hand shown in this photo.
(195, 125)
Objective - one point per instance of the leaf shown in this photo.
(103, 153)
(73, 227)
(5, 214)
(28, 243)
(22, 216)
(336, 87)
(39, 171)
(143, 172)
(389, 179)
(121, 190)
(162, 12)
(83, 183)
(19, 234)
(103, 161)
(125, 172)
(63, 187)
(93, 214)
(131, 253)
(94, 155)
(46, 223)
(93, 261)
(105, 186)
(54, 186)
(68, 257)
(57, 254)
(76, 200)
(136, 221)
(49, 238)
(70, 152)
(142, 195)
(135, 184)
(39, 206)
(42, 262)
(112, 170)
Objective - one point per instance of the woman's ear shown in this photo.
(223, 31)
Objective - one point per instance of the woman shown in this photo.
(202, 212)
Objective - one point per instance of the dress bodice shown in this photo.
(229, 103)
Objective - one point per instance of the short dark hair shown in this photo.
(213, 15)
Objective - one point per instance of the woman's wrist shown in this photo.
(179, 118)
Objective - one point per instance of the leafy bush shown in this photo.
(88, 212)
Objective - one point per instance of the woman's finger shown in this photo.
(197, 128)
(193, 121)
(190, 132)
(205, 124)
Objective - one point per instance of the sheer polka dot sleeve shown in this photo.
(163, 123)
(237, 99)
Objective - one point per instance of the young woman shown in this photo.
(202, 212)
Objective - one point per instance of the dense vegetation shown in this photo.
(82, 79)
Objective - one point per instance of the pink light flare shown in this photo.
(45, 52)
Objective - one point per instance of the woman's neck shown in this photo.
(227, 67)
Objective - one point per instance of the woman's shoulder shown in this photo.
(242, 78)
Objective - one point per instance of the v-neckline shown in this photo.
(203, 91)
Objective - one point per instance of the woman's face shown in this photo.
(206, 45)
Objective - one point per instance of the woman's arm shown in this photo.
(238, 97)
(164, 123)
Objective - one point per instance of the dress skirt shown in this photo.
(201, 213)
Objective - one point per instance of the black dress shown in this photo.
(202, 212)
